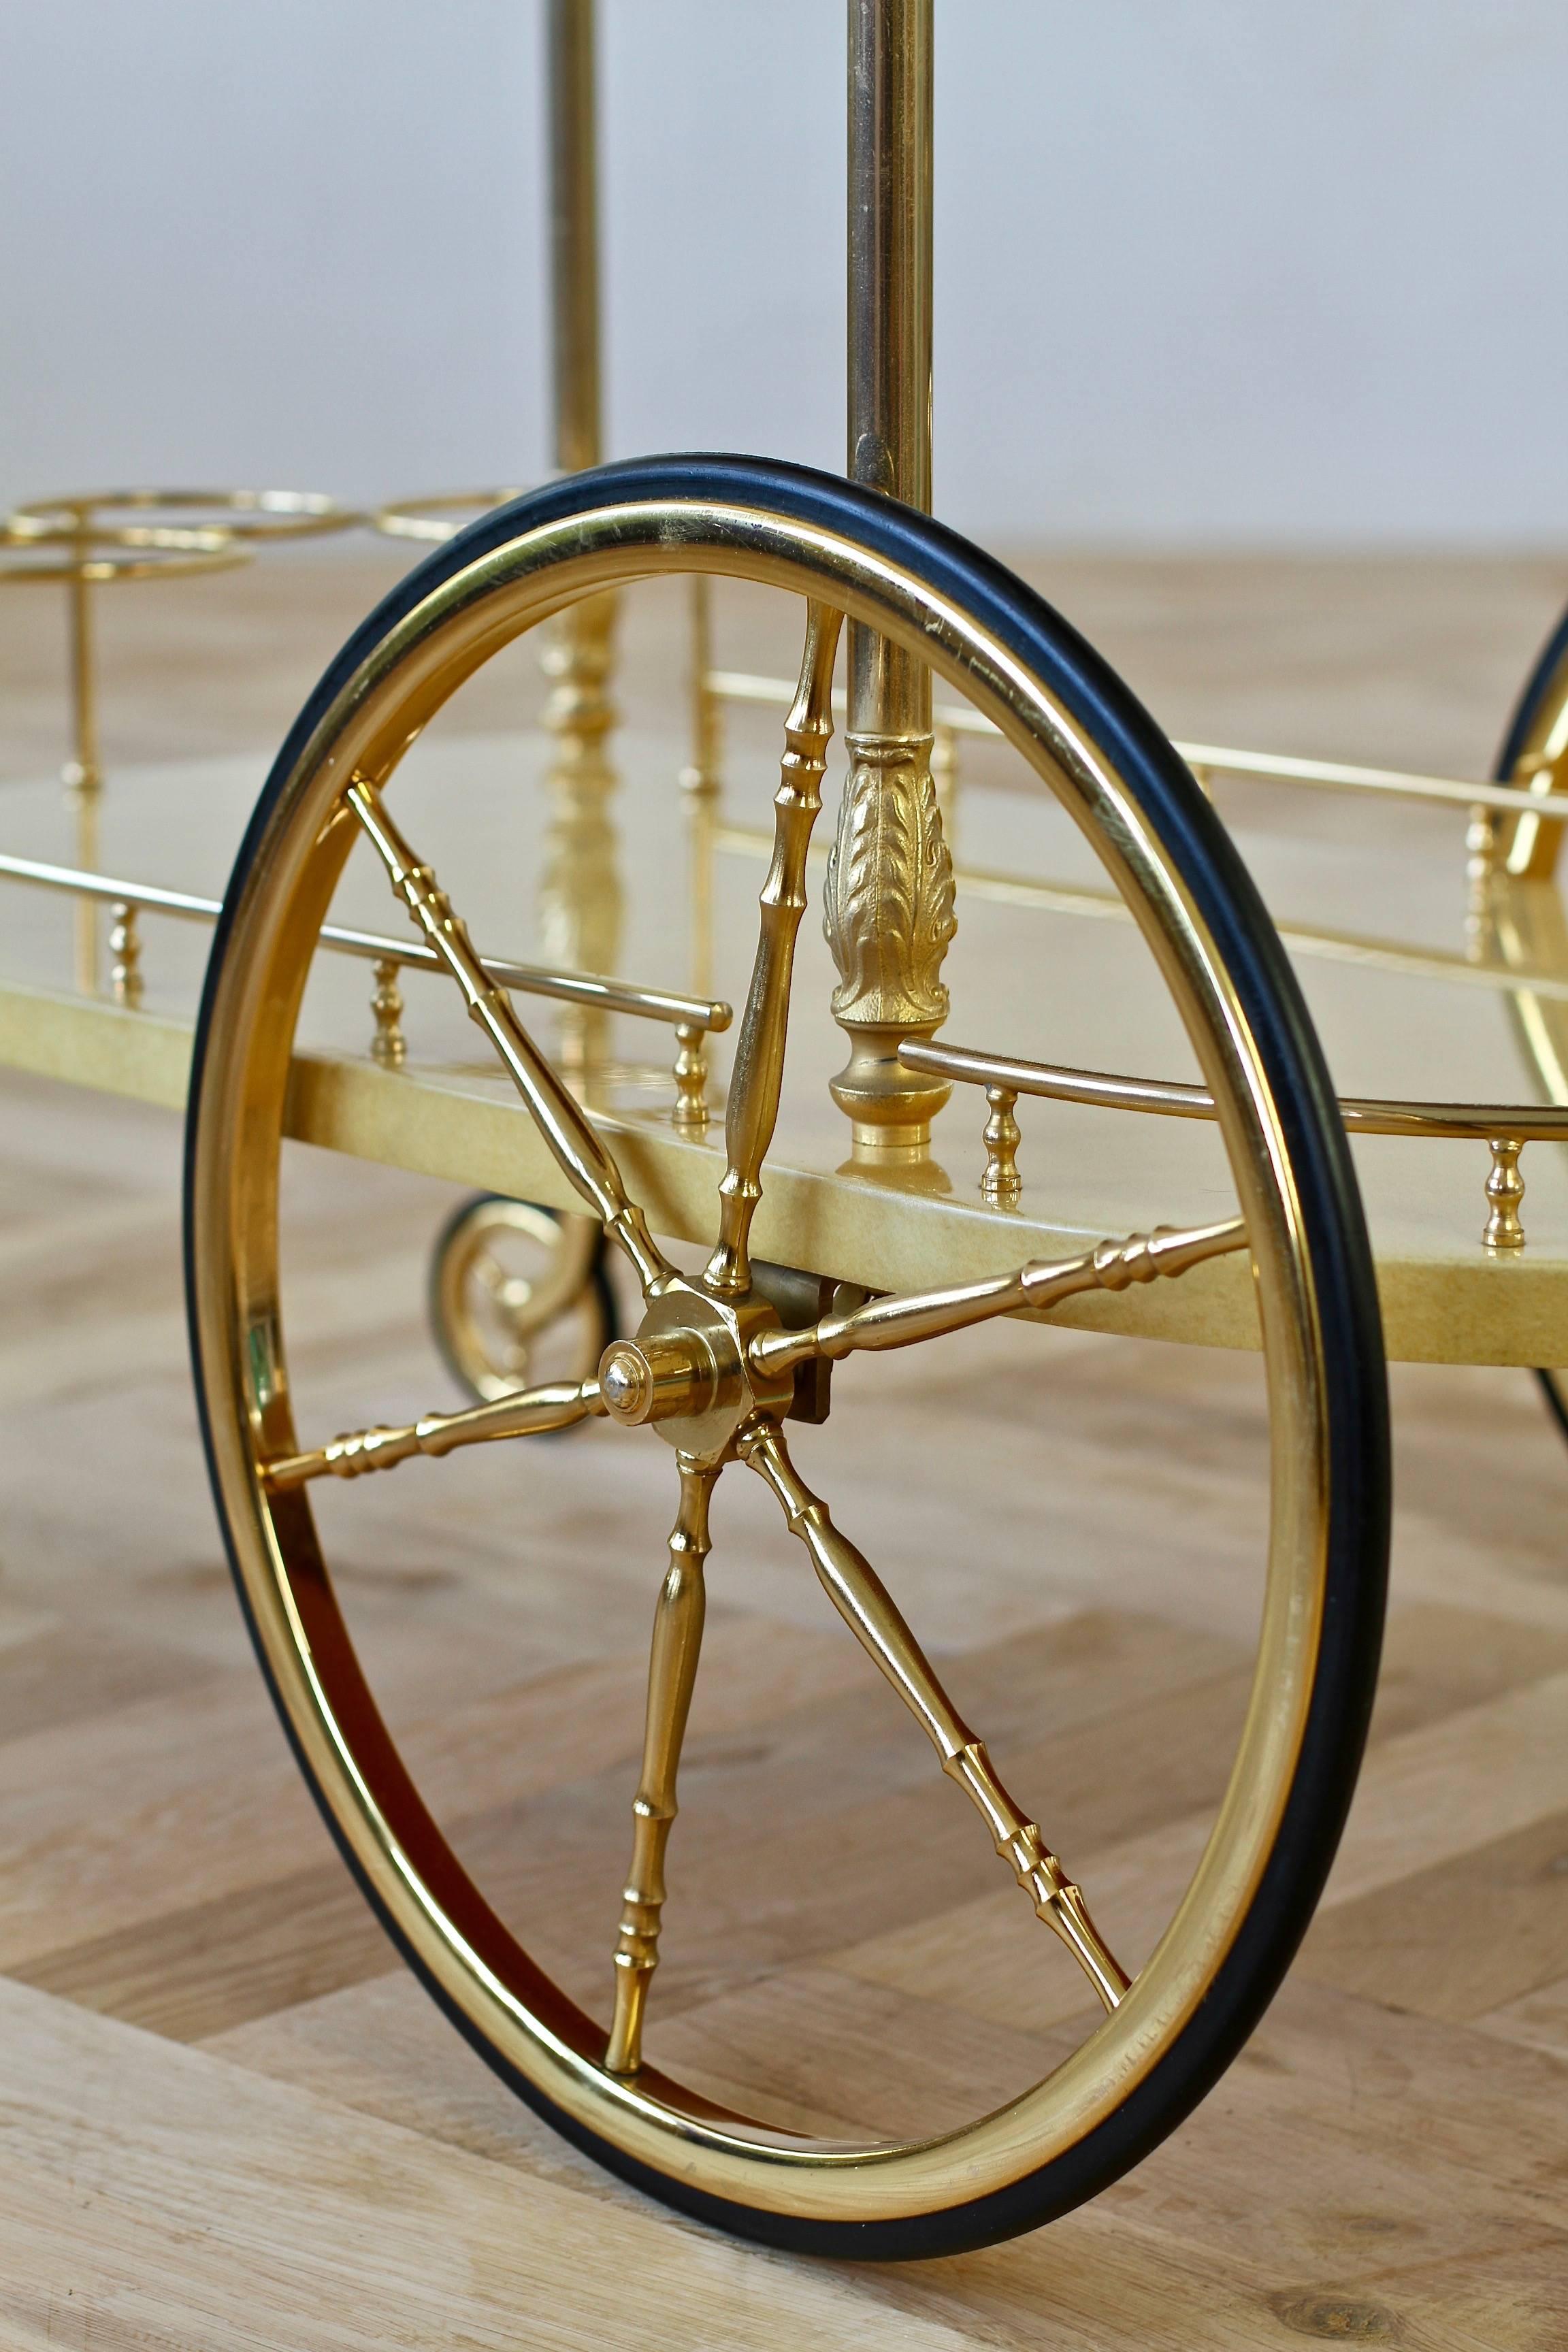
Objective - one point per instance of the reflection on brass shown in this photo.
(388, 1045)
(578, 1149)
(869, 1610)
(1001, 1182)
(580, 886)
(671, 1675)
(701, 783)
(758, 1072)
(898, 1321)
(523, 1414)
(125, 955)
(945, 782)
(1505, 1190)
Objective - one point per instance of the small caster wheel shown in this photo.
(518, 1293)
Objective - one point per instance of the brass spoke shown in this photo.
(753, 1104)
(899, 1321)
(869, 1610)
(526, 1414)
(579, 1149)
(672, 1673)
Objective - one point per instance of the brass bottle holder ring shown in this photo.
(261, 515)
(435, 517)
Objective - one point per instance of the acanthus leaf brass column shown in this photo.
(888, 906)
(580, 887)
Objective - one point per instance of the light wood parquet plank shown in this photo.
(1355, 2171)
(178, 2201)
(163, 1785)
(981, 1956)
(1537, 2020)
(806, 1794)
(1476, 1932)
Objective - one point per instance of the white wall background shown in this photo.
(1234, 270)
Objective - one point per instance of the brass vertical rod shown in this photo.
(889, 902)
(890, 135)
(579, 887)
(83, 775)
(573, 235)
(700, 784)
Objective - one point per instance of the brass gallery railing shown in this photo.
(694, 1019)
(1504, 1127)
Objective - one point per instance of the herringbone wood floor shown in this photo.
(227, 2116)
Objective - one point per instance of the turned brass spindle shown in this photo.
(701, 783)
(1505, 1190)
(1002, 1182)
(671, 1675)
(867, 1607)
(388, 1044)
(525, 1413)
(900, 1318)
(83, 773)
(125, 954)
(578, 1149)
(691, 1112)
(758, 1070)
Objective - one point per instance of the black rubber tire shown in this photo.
(1340, 1253)
(1549, 665)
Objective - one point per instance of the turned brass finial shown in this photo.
(1505, 1190)
(125, 955)
(388, 1045)
(691, 1112)
(1002, 1182)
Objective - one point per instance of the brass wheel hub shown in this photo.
(687, 1374)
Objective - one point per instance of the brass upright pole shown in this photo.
(84, 774)
(573, 236)
(580, 890)
(888, 906)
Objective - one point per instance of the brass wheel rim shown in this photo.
(276, 906)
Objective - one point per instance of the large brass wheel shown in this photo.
(711, 1372)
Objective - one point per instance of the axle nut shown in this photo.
(627, 1384)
